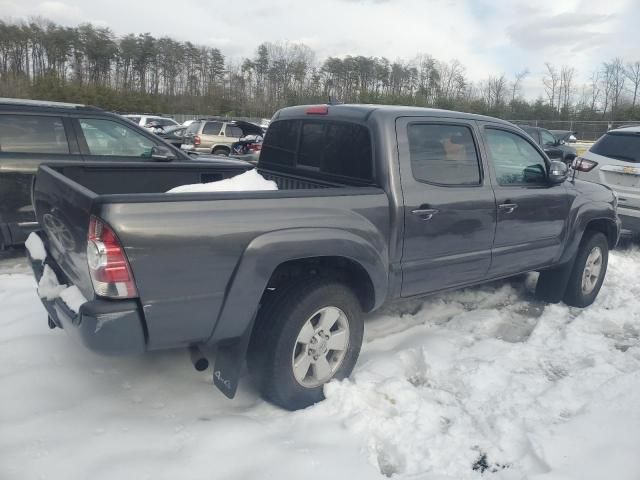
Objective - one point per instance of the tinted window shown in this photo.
(32, 134)
(532, 132)
(212, 128)
(620, 146)
(336, 148)
(281, 143)
(193, 128)
(547, 138)
(105, 137)
(515, 160)
(163, 122)
(233, 131)
(311, 145)
(443, 154)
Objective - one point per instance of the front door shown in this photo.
(449, 205)
(532, 213)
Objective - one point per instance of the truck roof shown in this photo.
(25, 104)
(360, 112)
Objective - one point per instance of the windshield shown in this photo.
(619, 145)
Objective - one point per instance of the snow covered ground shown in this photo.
(483, 378)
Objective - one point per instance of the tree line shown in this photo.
(139, 72)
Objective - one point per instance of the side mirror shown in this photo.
(558, 172)
(160, 153)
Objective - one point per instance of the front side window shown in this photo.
(32, 134)
(443, 154)
(516, 161)
(212, 128)
(547, 138)
(108, 138)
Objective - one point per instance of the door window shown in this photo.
(443, 154)
(212, 128)
(32, 134)
(108, 138)
(515, 160)
(547, 138)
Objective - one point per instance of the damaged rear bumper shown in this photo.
(109, 327)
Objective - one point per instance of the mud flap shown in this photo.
(230, 360)
(552, 283)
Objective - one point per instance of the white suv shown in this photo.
(145, 120)
(614, 160)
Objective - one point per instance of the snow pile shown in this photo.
(482, 383)
(36, 247)
(250, 180)
(49, 288)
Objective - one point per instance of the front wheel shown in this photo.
(306, 335)
(588, 271)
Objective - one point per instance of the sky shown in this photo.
(490, 37)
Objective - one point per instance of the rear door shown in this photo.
(532, 214)
(449, 205)
(210, 135)
(26, 141)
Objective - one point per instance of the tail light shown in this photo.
(583, 165)
(108, 265)
(255, 147)
(317, 110)
(196, 140)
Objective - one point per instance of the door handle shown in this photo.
(508, 207)
(425, 213)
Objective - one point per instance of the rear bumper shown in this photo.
(108, 327)
(630, 219)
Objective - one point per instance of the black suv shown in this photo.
(34, 132)
(554, 146)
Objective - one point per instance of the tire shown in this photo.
(220, 151)
(283, 320)
(592, 243)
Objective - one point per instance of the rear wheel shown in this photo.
(589, 270)
(305, 335)
(220, 151)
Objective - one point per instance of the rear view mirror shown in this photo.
(160, 153)
(558, 172)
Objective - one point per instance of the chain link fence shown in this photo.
(586, 131)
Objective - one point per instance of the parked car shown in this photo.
(567, 136)
(555, 147)
(151, 121)
(172, 134)
(375, 203)
(248, 148)
(217, 135)
(614, 160)
(33, 132)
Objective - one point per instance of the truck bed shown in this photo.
(185, 248)
(140, 179)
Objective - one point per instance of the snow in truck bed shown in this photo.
(481, 383)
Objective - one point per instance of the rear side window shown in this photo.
(620, 146)
(335, 148)
(233, 131)
(193, 128)
(32, 134)
(212, 128)
(443, 154)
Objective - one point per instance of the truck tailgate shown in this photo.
(63, 208)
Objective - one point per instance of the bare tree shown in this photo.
(551, 81)
(632, 72)
(517, 83)
(566, 88)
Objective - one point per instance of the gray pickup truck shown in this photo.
(375, 204)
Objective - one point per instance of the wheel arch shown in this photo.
(273, 257)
